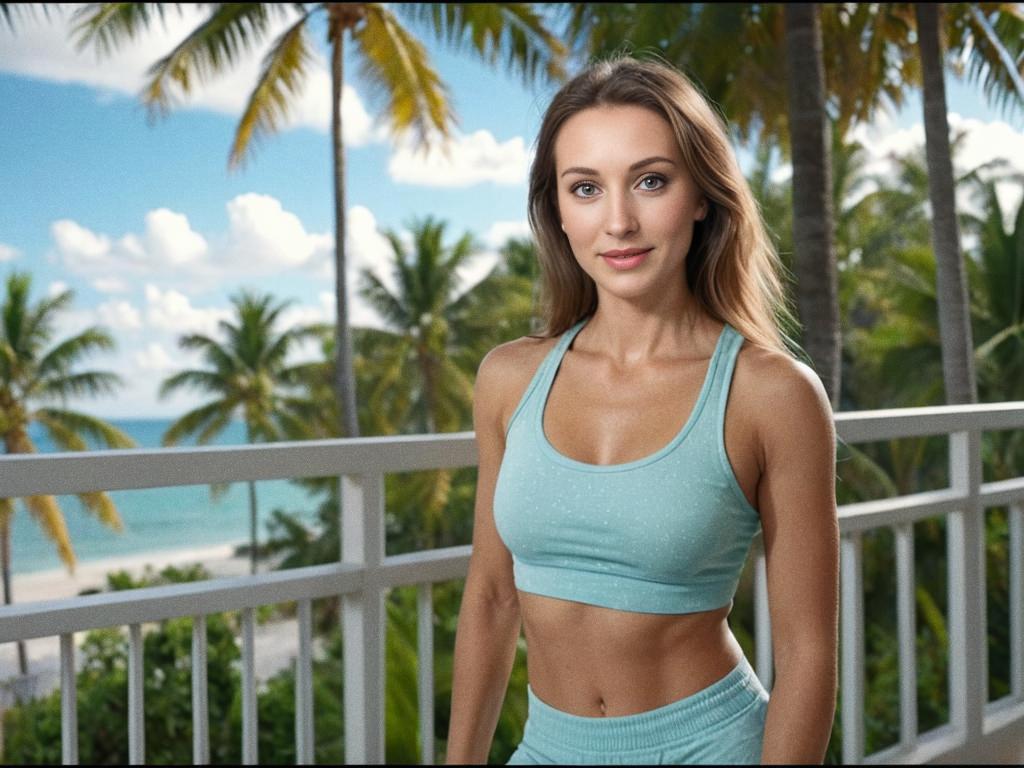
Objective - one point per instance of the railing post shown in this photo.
(425, 669)
(363, 618)
(968, 636)
(136, 705)
(68, 700)
(200, 693)
(852, 646)
(906, 614)
(250, 700)
(765, 667)
(305, 745)
(1016, 560)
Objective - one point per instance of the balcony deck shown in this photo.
(977, 731)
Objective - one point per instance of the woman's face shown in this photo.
(622, 186)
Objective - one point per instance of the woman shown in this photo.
(609, 527)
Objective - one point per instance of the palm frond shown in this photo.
(208, 51)
(102, 506)
(11, 11)
(382, 300)
(398, 70)
(67, 428)
(62, 356)
(85, 384)
(285, 342)
(997, 48)
(6, 511)
(64, 438)
(516, 30)
(217, 490)
(109, 25)
(38, 325)
(214, 427)
(15, 311)
(199, 380)
(220, 357)
(50, 519)
(280, 81)
(196, 419)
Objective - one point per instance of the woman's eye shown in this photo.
(586, 186)
(652, 182)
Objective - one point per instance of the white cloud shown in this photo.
(80, 247)
(110, 285)
(475, 270)
(8, 252)
(119, 315)
(155, 359)
(172, 311)
(465, 161)
(781, 173)
(366, 247)
(168, 263)
(56, 287)
(44, 49)
(168, 242)
(501, 231)
(263, 237)
(170, 239)
(984, 141)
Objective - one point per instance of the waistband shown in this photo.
(670, 723)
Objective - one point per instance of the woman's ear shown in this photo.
(702, 210)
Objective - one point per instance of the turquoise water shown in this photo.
(156, 518)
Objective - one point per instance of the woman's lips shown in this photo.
(630, 261)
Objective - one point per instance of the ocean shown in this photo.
(156, 518)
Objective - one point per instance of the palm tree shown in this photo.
(416, 364)
(504, 305)
(813, 220)
(247, 376)
(392, 61)
(954, 315)
(35, 370)
(997, 309)
(989, 38)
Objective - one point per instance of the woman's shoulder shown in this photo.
(779, 392)
(506, 371)
(772, 371)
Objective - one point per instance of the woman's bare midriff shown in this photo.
(601, 662)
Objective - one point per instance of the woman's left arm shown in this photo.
(800, 528)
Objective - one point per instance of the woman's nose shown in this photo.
(621, 219)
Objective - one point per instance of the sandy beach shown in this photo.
(275, 642)
(58, 583)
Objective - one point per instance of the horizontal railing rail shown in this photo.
(978, 730)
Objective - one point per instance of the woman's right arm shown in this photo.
(489, 620)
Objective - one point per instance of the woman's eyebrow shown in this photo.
(633, 167)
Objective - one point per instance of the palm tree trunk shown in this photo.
(253, 542)
(5, 565)
(813, 228)
(344, 378)
(950, 280)
(252, 527)
(426, 371)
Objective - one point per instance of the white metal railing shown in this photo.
(978, 731)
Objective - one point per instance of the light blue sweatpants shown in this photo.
(722, 723)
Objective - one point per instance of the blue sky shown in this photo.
(153, 233)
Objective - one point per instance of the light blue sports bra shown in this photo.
(667, 533)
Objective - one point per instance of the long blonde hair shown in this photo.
(732, 268)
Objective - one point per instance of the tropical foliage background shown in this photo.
(885, 306)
